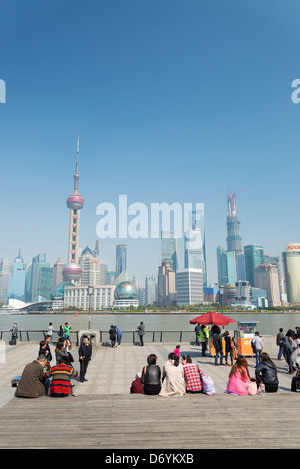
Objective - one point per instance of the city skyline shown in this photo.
(172, 103)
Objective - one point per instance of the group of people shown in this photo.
(115, 334)
(175, 378)
(41, 378)
(289, 347)
(240, 382)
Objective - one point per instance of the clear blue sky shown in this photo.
(174, 101)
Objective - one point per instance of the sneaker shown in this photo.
(74, 395)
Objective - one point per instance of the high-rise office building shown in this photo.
(266, 278)
(90, 268)
(41, 278)
(57, 272)
(291, 268)
(226, 266)
(150, 290)
(194, 245)
(169, 248)
(6, 269)
(110, 277)
(242, 293)
(72, 270)
(189, 287)
(121, 259)
(275, 260)
(254, 255)
(166, 284)
(234, 240)
(16, 283)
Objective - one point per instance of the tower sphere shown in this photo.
(75, 201)
(72, 272)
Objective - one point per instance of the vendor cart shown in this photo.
(243, 336)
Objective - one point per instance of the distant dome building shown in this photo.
(58, 291)
(125, 296)
(58, 294)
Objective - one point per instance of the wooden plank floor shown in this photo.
(139, 421)
(105, 416)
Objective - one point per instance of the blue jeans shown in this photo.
(257, 356)
(47, 383)
(221, 357)
(119, 339)
(66, 336)
(198, 339)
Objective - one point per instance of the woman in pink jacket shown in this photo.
(239, 376)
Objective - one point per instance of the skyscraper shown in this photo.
(291, 267)
(169, 248)
(121, 259)
(226, 266)
(72, 270)
(41, 278)
(234, 240)
(150, 289)
(194, 245)
(6, 269)
(166, 284)
(254, 255)
(90, 268)
(266, 277)
(57, 271)
(189, 287)
(17, 279)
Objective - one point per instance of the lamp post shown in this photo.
(90, 292)
(221, 291)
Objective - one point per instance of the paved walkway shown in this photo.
(105, 415)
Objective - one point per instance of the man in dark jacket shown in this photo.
(33, 379)
(218, 345)
(85, 355)
(288, 350)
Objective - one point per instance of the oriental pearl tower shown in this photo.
(72, 271)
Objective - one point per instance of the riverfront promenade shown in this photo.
(104, 415)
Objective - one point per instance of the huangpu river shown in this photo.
(268, 323)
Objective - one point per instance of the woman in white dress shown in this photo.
(173, 377)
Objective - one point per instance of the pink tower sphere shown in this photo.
(75, 201)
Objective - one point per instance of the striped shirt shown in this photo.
(61, 379)
(192, 377)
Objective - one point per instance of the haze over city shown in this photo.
(172, 103)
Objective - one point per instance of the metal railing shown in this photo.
(128, 336)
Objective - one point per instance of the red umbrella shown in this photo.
(212, 318)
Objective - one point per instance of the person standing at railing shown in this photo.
(50, 331)
(197, 334)
(14, 334)
(66, 335)
(141, 332)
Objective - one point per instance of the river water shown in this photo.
(269, 323)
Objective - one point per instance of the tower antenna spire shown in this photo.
(76, 175)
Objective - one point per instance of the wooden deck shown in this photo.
(148, 422)
(99, 418)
